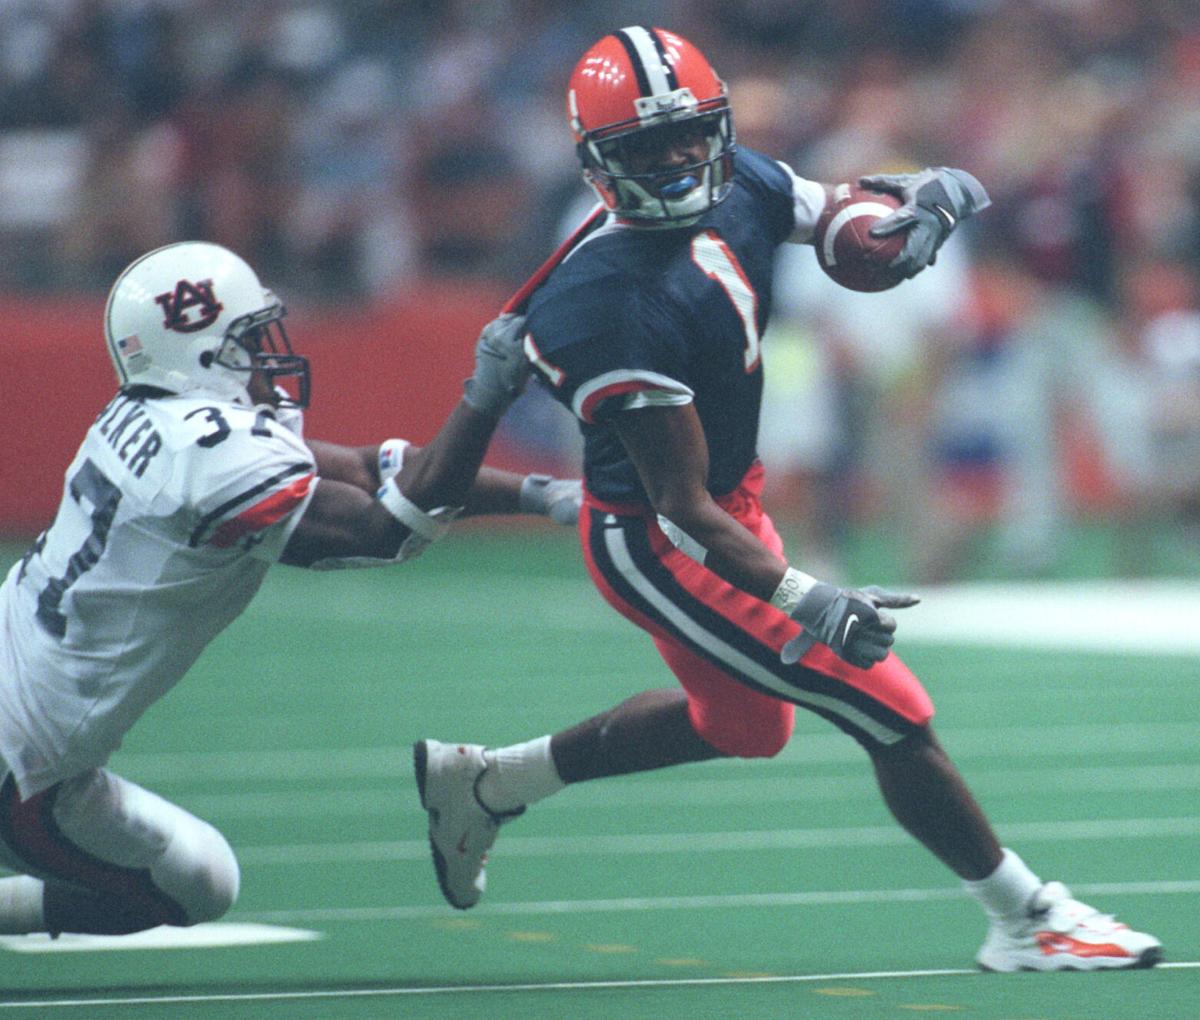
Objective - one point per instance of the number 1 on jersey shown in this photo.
(718, 262)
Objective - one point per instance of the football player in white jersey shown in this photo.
(188, 486)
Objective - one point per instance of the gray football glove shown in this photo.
(849, 620)
(935, 201)
(556, 498)
(501, 368)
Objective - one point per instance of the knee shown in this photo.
(216, 891)
(919, 745)
(753, 745)
(192, 869)
(200, 872)
(749, 735)
(217, 880)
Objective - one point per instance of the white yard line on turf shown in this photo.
(393, 764)
(814, 898)
(701, 789)
(1149, 617)
(213, 935)
(554, 986)
(1067, 831)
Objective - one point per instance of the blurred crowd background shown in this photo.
(1045, 376)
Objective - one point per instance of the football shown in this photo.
(846, 251)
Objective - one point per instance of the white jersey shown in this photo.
(173, 510)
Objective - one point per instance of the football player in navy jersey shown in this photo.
(649, 332)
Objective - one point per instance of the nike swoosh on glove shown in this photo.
(851, 621)
(935, 201)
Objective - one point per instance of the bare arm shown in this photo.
(361, 515)
(345, 520)
(354, 465)
(341, 522)
(494, 491)
(444, 472)
(668, 448)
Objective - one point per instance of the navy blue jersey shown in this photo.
(638, 317)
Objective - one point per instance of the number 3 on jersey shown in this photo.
(719, 263)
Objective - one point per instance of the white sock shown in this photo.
(21, 905)
(1006, 892)
(519, 775)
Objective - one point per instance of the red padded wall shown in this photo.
(390, 368)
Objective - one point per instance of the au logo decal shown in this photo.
(190, 306)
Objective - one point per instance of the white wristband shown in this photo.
(429, 526)
(794, 586)
(391, 458)
(424, 528)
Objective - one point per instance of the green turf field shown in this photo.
(755, 889)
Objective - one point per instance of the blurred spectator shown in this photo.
(349, 149)
(351, 145)
(850, 381)
(349, 225)
(1145, 404)
(997, 386)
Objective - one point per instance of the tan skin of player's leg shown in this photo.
(920, 784)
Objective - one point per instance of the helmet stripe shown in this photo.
(655, 75)
(635, 59)
(664, 63)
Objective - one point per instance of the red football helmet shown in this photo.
(637, 85)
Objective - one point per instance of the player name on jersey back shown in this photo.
(126, 426)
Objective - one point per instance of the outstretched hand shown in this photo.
(560, 499)
(851, 621)
(935, 201)
(501, 368)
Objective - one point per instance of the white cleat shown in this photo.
(1063, 934)
(461, 829)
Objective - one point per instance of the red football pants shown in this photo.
(723, 644)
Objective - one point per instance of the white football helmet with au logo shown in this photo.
(193, 316)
